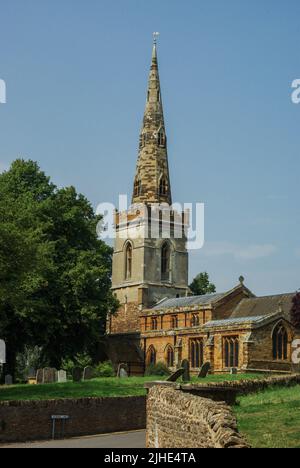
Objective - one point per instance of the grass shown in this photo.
(271, 419)
(114, 387)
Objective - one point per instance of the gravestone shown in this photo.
(49, 375)
(40, 376)
(233, 371)
(204, 370)
(8, 380)
(186, 370)
(123, 373)
(2, 352)
(175, 376)
(77, 374)
(61, 376)
(88, 373)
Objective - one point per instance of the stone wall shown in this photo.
(31, 420)
(181, 420)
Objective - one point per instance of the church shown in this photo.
(158, 319)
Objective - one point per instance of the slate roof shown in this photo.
(236, 321)
(262, 306)
(188, 301)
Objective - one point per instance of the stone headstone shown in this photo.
(49, 375)
(88, 373)
(186, 370)
(2, 352)
(8, 380)
(175, 376)
(61, 376)
(77, 374)
(122, 370)
(40, 376)
(233, 371)
(204, 370)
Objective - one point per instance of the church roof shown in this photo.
(235, 321)
(261, 306)
(188, 301)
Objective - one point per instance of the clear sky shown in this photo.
(76, 74)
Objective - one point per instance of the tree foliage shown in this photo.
(201, 285)
(295, 311)
(54, 271)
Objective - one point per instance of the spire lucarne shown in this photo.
(152, 180)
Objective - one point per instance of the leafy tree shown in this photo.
(201, 285)
(295, 311)
(54, 271)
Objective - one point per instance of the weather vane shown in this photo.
(155, 37)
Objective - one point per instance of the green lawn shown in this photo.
(96, 388)
(271, 419)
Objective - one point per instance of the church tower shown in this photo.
(150, 260)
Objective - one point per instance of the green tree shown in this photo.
(55, 272)
(201, 285)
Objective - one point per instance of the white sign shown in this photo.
(2, 352)
(2, 92)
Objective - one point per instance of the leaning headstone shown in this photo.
(88, 373)
(233, 371)
(49, 375)
(40, 376)
(61, 376)
(77, 374)
(8, 380)
(204, 370)
(121, 369)
(175, 376)
(186, 373)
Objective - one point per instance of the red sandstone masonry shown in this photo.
(31, 420)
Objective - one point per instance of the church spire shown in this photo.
(152, 180)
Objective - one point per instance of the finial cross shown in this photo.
(155, 37)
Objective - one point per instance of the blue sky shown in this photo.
(76, 75)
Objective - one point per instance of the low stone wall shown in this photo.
(31, 420)
(247, 386)
(176, 419)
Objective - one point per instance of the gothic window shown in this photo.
(174, 321)
(154, 323)
(163, 187)
(165, 262)
(151, 356)
(195, 322)
(170, 356)
(158, 96)
(231, 351)
(161, 137)
(196, 353)
(137, 188)
(280, 343)
(128, 261)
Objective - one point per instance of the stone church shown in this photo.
(158, 319)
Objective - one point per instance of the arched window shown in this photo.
(174, 321)
(280, 343)
(170, 356)
(196, 353)
(154, 323)
(128, 261)
(163, 187)
(161, 138)
(137, 187)
(195, 322)
(165, 262)
(151, 355)
(231, 351)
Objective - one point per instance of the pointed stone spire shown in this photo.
(152, 180)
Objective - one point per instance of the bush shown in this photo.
(157, 369)
(104, 369)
